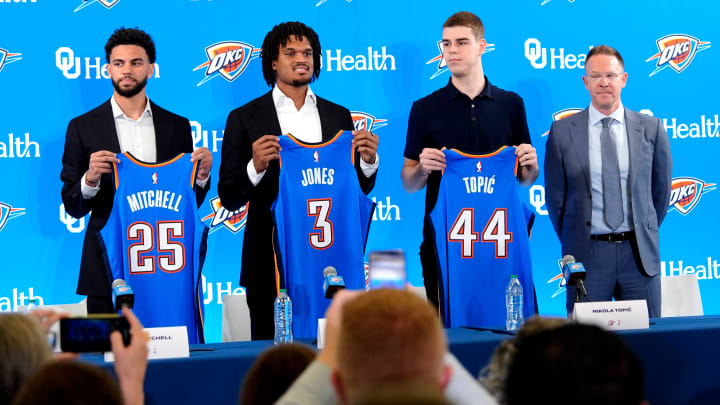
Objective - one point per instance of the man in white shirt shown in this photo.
(128, 122)
(249, 167)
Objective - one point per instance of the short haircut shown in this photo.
(389, 336)
(24, 349)
(273, 372)
(403, 394)
(130, 36)
(605, 50)
(70, 383)
(594, 367)
(466, 19)
(279, 36)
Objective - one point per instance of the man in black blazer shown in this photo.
(129, 121)
(249, 167)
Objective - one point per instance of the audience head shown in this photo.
(574, 364)
(24, 349)
(493, 376)
(71, 383)
(388, 336)
(403, 394)
(273, 373)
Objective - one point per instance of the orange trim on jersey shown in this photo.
(318, 145)
(194, 173)
(277, 272)
(145, 164)
(470, 155)
(115, 175)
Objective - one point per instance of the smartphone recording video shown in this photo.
(386, 269)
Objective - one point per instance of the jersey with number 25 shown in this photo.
(156, 241)
(481, 234)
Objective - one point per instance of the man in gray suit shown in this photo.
(607, 180)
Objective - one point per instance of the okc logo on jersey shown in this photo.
(7, 58)
(107, 3)
(155, 178)
(557, 116)
(677, 51)
(8, 212)
(367, 122)
(442, 65)
(686, 192)
(227, 59)
(232, 220)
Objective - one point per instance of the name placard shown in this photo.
(165, 343)
(613, 315)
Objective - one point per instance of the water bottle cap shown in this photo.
(513, 276)
(283, 290)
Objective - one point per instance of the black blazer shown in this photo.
(244, 126)
(92, 132)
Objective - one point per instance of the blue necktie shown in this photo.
(612, 195)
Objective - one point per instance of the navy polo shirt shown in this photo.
(449, 118)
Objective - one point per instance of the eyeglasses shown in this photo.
(610, 77)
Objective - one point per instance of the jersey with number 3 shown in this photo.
(322, 219)
(481, 229)
(156, 241)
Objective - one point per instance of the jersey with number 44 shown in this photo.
(481, 229)
(156, 241)
(322, 219)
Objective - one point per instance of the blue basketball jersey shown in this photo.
(322, 219)
(156, 242)
(481, 226)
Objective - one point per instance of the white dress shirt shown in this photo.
(618, 131)
(303, 124)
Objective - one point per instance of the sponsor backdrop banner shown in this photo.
(378, 57)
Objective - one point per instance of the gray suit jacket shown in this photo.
(567, 183)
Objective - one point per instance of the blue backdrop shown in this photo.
(378, 57)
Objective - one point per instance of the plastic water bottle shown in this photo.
(283, 318)
(514, 304)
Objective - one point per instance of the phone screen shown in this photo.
(91, 334)
(387, 269)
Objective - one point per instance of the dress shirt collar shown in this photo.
(280, 99)
(118, 112)
(596, 116)
(452, 91)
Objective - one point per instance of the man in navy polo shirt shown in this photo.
(469, 114)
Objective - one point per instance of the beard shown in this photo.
(300, 83)
(129, 91)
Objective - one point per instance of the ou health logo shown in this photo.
(107, 3)
(367, 122)
(227, 59)
(7, 58)
(685, 193)
(677, 51)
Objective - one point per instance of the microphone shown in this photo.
(332, 282)
(122, 295)
(574, 272)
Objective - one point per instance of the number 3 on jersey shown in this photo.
(320, 209)
(495, 231)
(170, 254)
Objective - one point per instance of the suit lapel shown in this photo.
(634, 133)
(267, 118)
(580, 139)
(105, 125)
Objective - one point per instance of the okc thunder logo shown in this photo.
(677, 51)
(442, 65)
(232, 220)
(8, 212)
(107, 3)
(563, 114)
(562, 283)
(7, 58)
(686, 192)
(365, 121)
(227, 59)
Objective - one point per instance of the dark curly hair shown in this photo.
(130, 36)
(279, 36)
